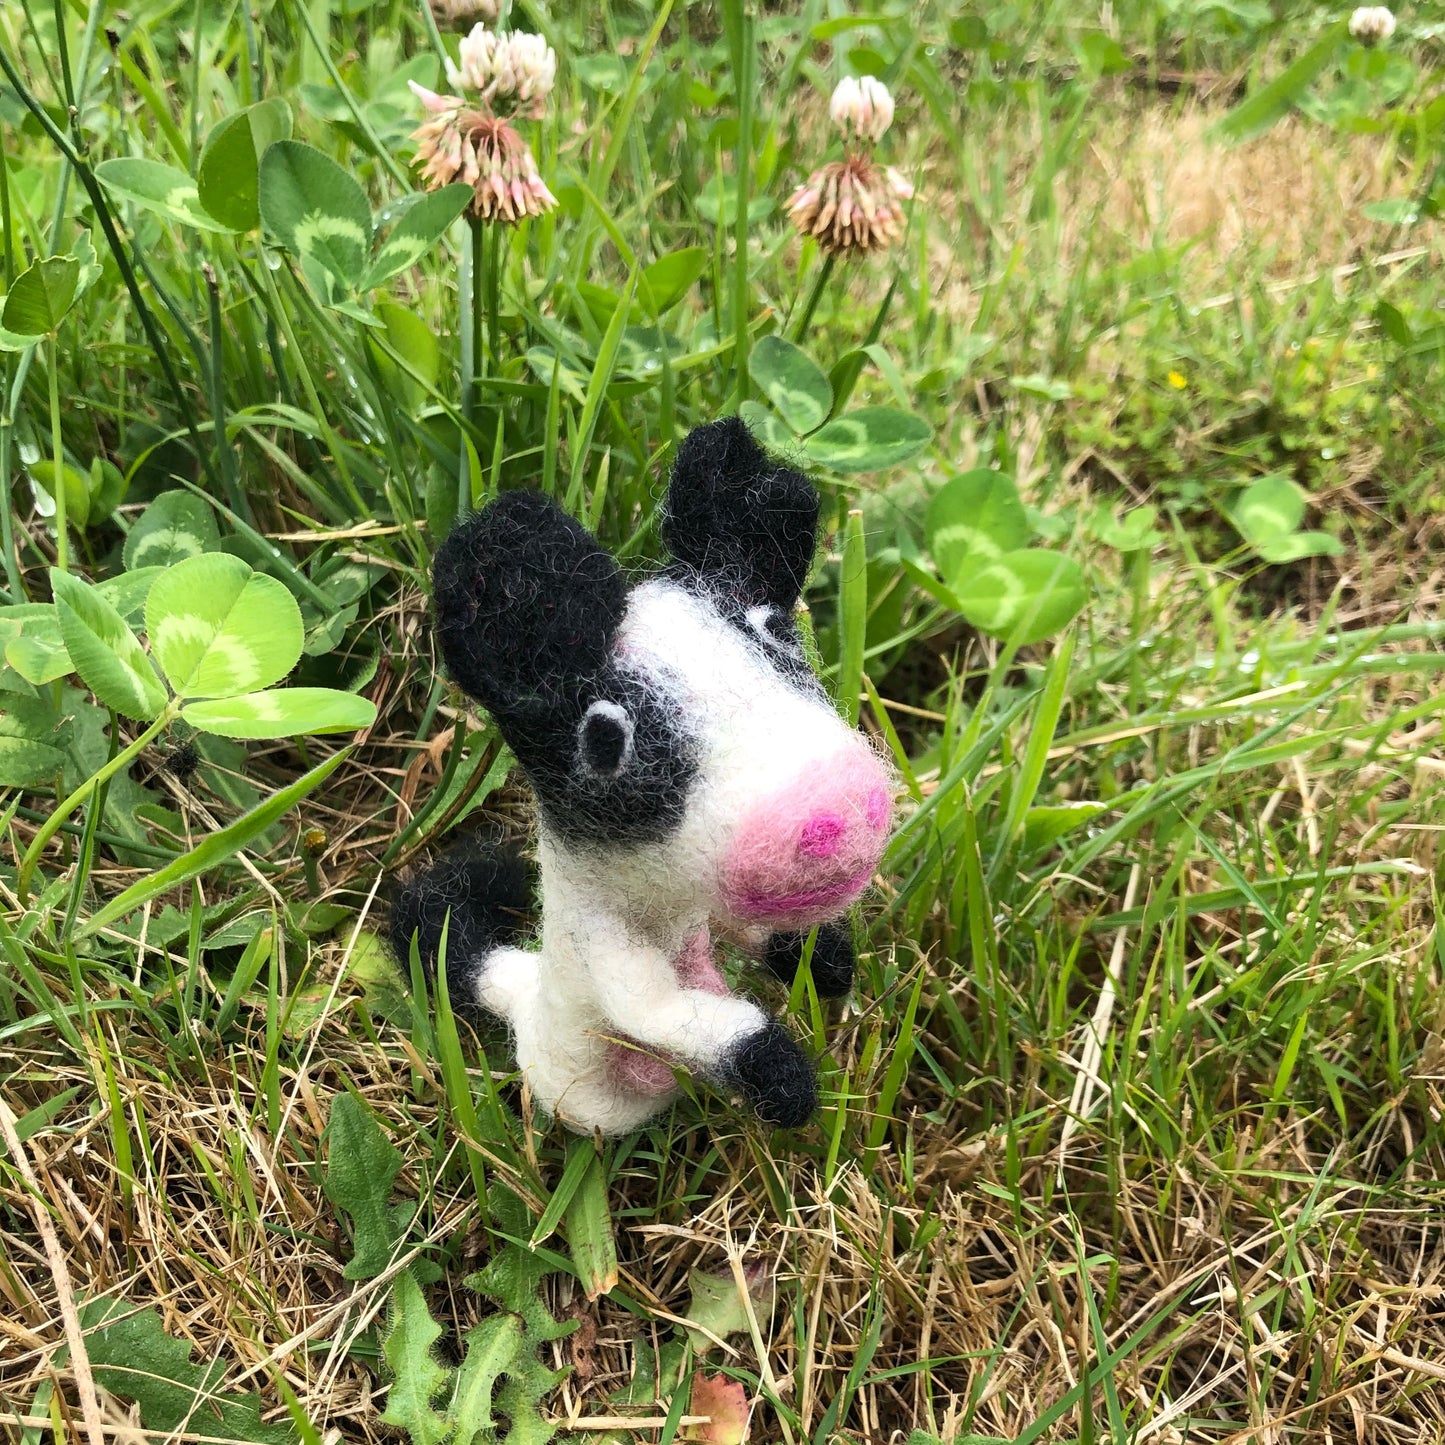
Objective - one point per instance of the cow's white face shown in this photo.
(786, 808)
(688, 769)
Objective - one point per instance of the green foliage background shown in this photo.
(1131, 464)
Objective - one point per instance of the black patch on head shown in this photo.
(774, 636)
(527, 603)
(774, 1075)
(488, 893)
(740, 521)
(528, 608)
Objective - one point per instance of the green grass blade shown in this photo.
(580, 1153)
(852, 616)
(590, 1235)
(215, 849)
(454, 1067)
(1261, 110)
(597, 394)
(1041, 739)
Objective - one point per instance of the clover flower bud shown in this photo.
(1372, 24)
(862, 107)
(462, 142)
(851, 205)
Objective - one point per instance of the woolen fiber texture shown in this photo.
(694, 785)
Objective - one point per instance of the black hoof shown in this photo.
(831, 964)
(774, 1075)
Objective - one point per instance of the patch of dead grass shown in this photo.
(1290, 199)
(1257, 1298)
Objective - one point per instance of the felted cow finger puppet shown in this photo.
(693, 783)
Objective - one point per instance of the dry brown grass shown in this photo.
(1271, 1286)
(1290, 199)
(1283, 207)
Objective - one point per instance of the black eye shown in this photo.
(776, 629)
(604, 739)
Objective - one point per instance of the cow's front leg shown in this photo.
(774, 1075)
(719, 1036)
(831, 963)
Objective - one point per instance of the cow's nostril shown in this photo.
(877, 808)
(822, 835)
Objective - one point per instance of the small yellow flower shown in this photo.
(1178, 380)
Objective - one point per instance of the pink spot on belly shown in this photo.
(631, 1067)
(695, 968)
(640, 1070)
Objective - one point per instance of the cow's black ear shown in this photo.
(736, 516)
(527, 604)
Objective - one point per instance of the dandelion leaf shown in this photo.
(501, 1373)
(417, 1378)
(514, 1274)
(493, 1347)
(512, 1278)
(528, 1383)
(133, 1357)
(361, 1164)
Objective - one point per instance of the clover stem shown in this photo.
(51, 825)
(820, 280)
(480, 288)
(14, 581)
(496, 259)
(473, 365)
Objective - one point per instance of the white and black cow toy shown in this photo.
(693, 783)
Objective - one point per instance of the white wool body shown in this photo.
(616, 919)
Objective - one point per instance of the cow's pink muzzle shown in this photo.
(810, 850)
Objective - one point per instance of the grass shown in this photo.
(1132, 1129)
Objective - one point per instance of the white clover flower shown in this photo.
(476, 70)
(1372, 24)
(511, 71)
(851, 205)
(862, 107)
(847, 98)
(527, 68)
(460, 142)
